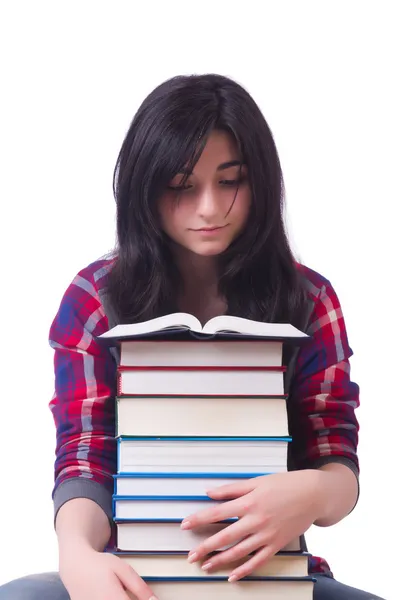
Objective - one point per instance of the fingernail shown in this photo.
(192, 557)
(185, 524)
(232, 578)
(206, 566)
(153, 598)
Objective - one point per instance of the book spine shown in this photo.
(186, 552)
(164, 498)
(121, 368)
(157, 520)
(144, 475)
(217, 339)
(204, 580)
(121, 395)
(182, 438)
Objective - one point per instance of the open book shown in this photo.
(221, 326)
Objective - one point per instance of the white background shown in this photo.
(73, 75)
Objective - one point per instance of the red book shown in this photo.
(201, 381)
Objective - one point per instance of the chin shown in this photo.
(209, 250)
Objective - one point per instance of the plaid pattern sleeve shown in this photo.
(323, 398)
(85, 380)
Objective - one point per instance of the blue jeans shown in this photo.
(48, 586)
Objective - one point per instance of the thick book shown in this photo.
(202, 455)
(253, 588)
(223, 325)
(175, 564)
(160, 508)
(167, 536)
(205, 381)
(166, 484)
(214, 353)
(201, 416)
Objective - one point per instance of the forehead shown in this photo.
(221, 147)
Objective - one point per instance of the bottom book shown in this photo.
(219, 589)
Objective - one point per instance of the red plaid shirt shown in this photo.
(322, 398)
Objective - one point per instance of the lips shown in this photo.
(210, 228)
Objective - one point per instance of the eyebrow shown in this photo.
(221, 167)
(230, 163)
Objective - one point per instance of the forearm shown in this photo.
(336, 493)
(81, 523)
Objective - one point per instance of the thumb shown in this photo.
(134, 583)
(232, 490)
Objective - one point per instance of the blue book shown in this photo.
(202, 454)
(174, 484)
(163, 508)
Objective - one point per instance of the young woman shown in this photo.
(200, 196)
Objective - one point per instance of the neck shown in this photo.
(196, 270)
(199, 293)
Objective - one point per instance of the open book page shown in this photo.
(222, 324)
(226, 323)
(164, 323)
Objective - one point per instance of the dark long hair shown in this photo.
(258, 274)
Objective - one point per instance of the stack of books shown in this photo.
(198, 408)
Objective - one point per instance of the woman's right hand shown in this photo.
(92, 575)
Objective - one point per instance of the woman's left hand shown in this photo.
(272, 510)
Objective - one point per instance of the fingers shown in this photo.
(234, 554)
(133, 583)
(226, 537)
(232, 490)
(259, 558)
(218, 512)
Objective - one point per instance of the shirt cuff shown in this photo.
(80, 487)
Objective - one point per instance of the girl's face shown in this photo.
(201, 216)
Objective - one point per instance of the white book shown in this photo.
(223, 324)
(144, 485)
(272, 589)
(202, 416)
(165, 353)
(282, 564)
(169, 537)
(162, 536)
(159, 508)
(206, 382)
(202, 455)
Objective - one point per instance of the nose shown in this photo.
(208, 207)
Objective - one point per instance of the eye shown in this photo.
(232, 182)
(179, 188)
